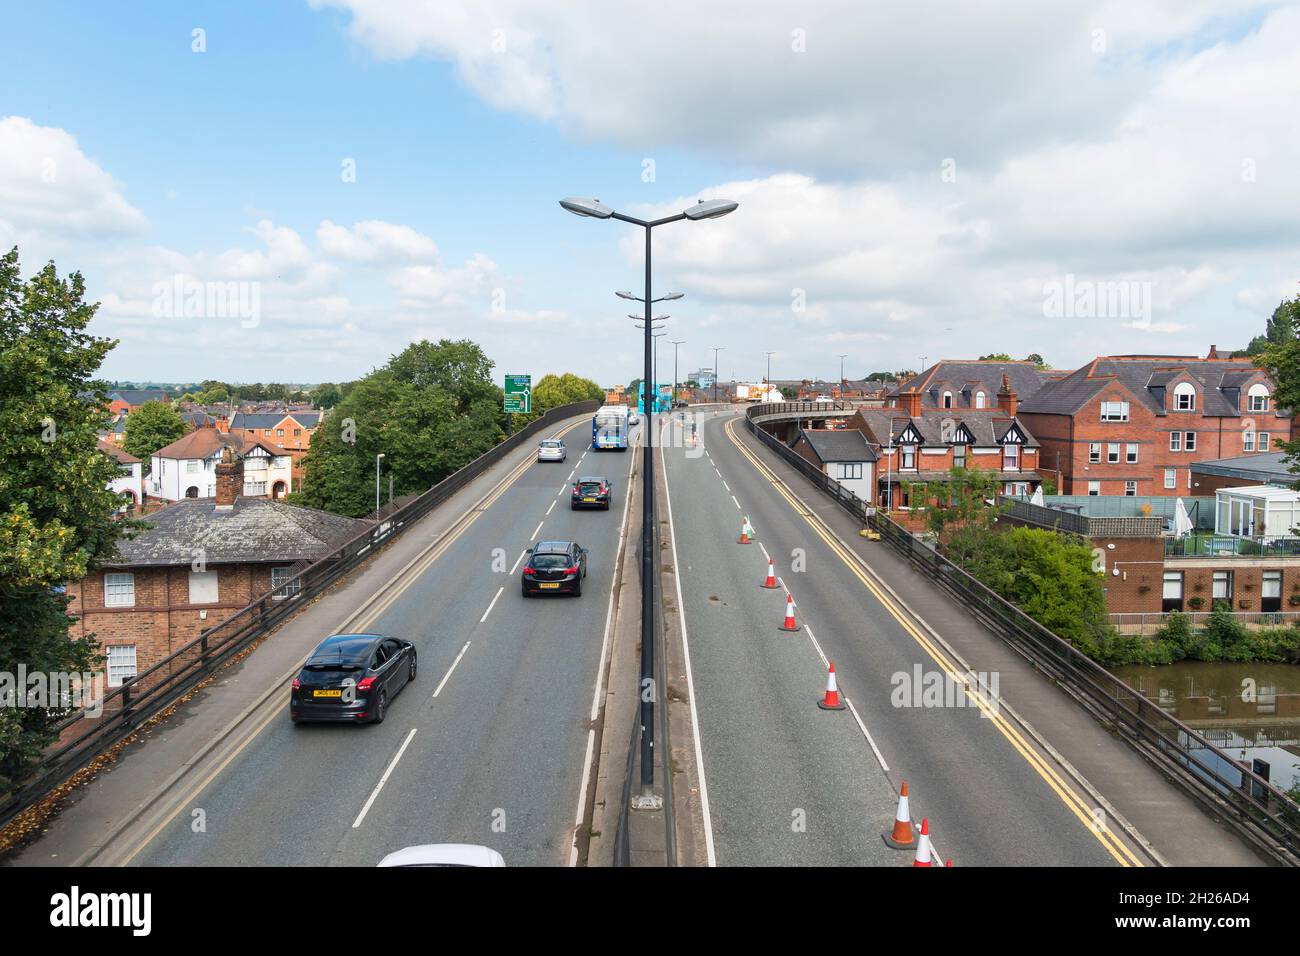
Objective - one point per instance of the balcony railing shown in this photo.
(1228, 546)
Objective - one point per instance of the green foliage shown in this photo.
(326, 396)
(959, 500)
(1048, 575)
(789, 393)
(1222, 638)
(996, 357)
(152, 426)
(552, 391)
(55, 506)
(1282, 358)
(430, 411)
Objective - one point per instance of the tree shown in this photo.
(152, 426)
(789, 393)
(961, 499)
(552, 391)
(1281, 328)
(326, 396)
(55, 505)
(430, 411)
(996, 357)
(1282, 359)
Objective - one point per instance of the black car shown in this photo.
(554, 567)
(352, 677)
(590, 493)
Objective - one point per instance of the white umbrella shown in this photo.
(1182, 521)
(1037, 498)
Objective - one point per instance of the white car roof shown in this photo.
(444, 854)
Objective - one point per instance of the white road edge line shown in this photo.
(690, 684)
(765, 554)
(384, 779)
(600, 674)
(866, 733)
(733, 498)
(447, 676)
(492, 605)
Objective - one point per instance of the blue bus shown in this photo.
(662, 401)
(609, 428)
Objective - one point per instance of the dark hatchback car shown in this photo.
(554, 567)
(352, 677)
(590, 493)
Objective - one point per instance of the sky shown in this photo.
(294, 190)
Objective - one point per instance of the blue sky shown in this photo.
(834, 151)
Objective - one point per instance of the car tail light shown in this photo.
(365, 684)
(528, 572)
(572, 570)
(297, 684)
(603, 489)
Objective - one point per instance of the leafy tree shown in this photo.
(961, 499)
(789, 393)
(1281, 328)
(552, 391)
(996, 357)
(55, 506)
(152, 426)
(430, 411)
(1282, 359)
(326, 396)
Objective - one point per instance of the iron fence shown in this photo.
(1258, 810)
(146, 694)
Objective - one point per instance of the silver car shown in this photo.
(552, 450)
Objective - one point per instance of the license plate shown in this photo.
(327, 693)
(589, 500)
(548, 586)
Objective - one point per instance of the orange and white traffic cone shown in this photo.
(745, 529)
(901, 837)
(770, 583)
(923, 852)
(790, 623)
(832, 699)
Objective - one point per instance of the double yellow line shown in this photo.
(1072, 800)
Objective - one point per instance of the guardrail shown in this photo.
(146, 694)
(1256, 808)
(1228, 546)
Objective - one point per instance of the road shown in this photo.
(770, 756)
(489, 745)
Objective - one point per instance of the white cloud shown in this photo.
(375, 241)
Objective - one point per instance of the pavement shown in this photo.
(493, 743)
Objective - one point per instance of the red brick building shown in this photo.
(1135, 424)
(290, 430)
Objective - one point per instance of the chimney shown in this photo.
(230, 478)
(1214, 352)
(1007, 396)
(910, 402)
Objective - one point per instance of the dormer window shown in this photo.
(1257, 399)
(947, 399)
(1185, 397)
(980, 401)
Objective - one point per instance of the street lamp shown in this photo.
(842, 358)
(676, 342)
(377, 458)
(716, 350)
(595, 209)
(769, 368)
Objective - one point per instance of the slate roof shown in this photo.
(271, 419)
(987, 426)
(839, 444)
(1147, 378)
(1265, 468)
(138, 396)
(1026, 379)
(254, 530)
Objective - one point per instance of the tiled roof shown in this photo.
(253, 530)
(1144, 377)
(987, 426)
(271, 419)
(205, 442)
(1026, 379)
(841, 444)
(122, 457)
(138, 396)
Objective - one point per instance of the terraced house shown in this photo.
(290, 430)
(187, 467)
(1137, 424)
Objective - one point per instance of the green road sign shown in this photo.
(519, 394)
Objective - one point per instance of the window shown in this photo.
(203, 587)
(281, 589)
(1011, 457)
(279, 433)
(1130, 488)
(1172, 591)
(909, 457)
(297, 432)
(254, 489)
(1171, 477)
(850, 470)
(1189, 441)
(1222, 590)
(1094, 488)
(1264, 441)
(280, 461)
(1257, 398)
(119, 590)
(1247, 441)
(979, 400)
(1270, 592)
(192, 466)
(1094, 452)
(1114, 411)
(959, 456)
(1112, 453)
(947, 399)
(266, 433)
(1131, 453)
(120, 660)
(1185, 397)
(255, 463)
(1175, 441)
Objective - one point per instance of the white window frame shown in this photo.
(1094, 489)
(1114, 411)
(1171, 477)
(1189, 441)
(1257, 399)
(1131, 453)
(980, 400)
(1185, 397)
(1175, 441)
(119, 589)
(1112, 453)
(1248, 441)
(1263, 441)
(125, 665)
(1130, 488)
(281, 590)
(1094, 452)
(849, 470)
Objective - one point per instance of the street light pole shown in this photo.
(842, 358)
(595, 209)
(377, 457)
(676, 342)
(716, 350)
(768, 380)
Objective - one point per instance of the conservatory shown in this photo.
(1262, 512)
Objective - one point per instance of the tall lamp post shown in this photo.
(377, 458)
(842, 358)
(595, 209)
(676, 342)
(716, 350)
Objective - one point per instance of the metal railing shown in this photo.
(144, 695)
(1258, 810)
(1147, 623)
(1224, 545)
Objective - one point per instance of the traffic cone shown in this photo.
(790, 623)
(745, 529)
(948, 864)
(832, 698)
(770, 583)
(901, 837)
(923, 846)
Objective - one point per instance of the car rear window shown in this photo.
(550, 444)
(335, 666)
(589, 486)
(548, 561)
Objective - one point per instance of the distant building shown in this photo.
(130, 480)
(842, 454)
(972, 384)
(187, 467)
(289, 429)
(129, 399)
